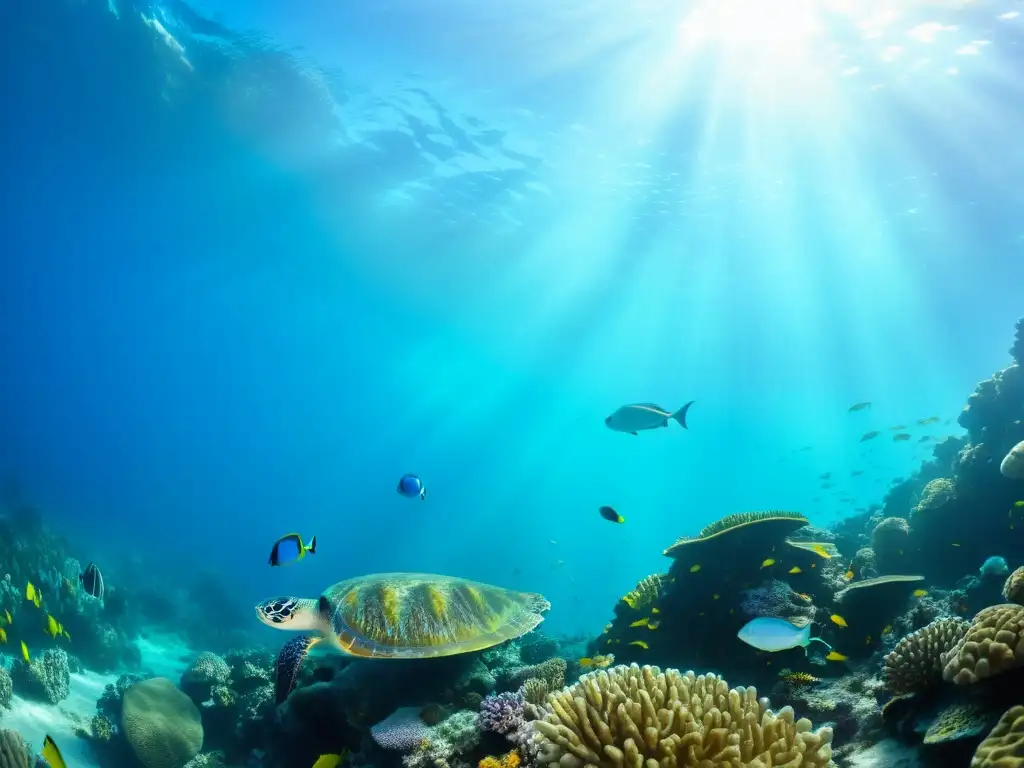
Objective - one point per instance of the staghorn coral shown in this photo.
(161, 724)
(1013, 589)
(14, 753)
(990, 646)
(917, 660)
(1004, 745)
(633, 716)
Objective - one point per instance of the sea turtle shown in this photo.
(400, 616)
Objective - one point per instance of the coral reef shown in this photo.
(1004, 745)
(1013, 589)
(14, 753)
(503, 712)
(989, 647)
(47, 677)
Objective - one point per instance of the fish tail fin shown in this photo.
(818, 640)
(680, 415)
(312, 545)
(423, 494)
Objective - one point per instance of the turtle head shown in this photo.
(288, 613)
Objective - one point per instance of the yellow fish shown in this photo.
(716, 596)
(1018, 504)
(920, 592)
(819, 550)
(639, 623)
(3, 635)
(887, 630)
(639, 644)
(8, 615)
(795, 570)
(52, 755)
(835, 656)
(653, 624)
(32, 595)
(694, 568)
(600, 662)
(848, 575)
(24, 653)
(331, 760)
(655, 610)
(66, 634)
(768, 562)
(52, 627)
(838, 620)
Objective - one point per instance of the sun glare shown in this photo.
(756, 23)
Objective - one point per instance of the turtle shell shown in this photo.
(416, 615)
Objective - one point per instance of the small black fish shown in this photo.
(92, 581)
(859, 406)
(869, 436)
(857, 473)
(611, 515)
(825, 475)
(901, 437)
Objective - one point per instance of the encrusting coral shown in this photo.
(992, 645)
(1004, 745)
(641, 717)
(917, 660)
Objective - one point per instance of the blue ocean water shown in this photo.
(262, 259)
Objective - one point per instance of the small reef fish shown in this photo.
(53, 627)
(838, 620)
(835, 656)
(33, 595)
(929, 420)
(331, 760)
(900, 437)
(767, 563)
(3, 635)
(92, 581)
(870, 436)
(919, 593)
(825, 475)
(694, 568)
(290, 549)
(859, 406)
(1018, 504)
(597, 662)
(653, 625)
(897, 428)
(767, 633)
(51, 754)
(24, 653)
(611, 515)
(411, 486)
(795, 570)
(857, 473)
(638, 417)
(639, 623)
(640, 644)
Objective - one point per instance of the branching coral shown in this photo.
(917, 660)
(991, 645)
(502, 712)
(635, 717)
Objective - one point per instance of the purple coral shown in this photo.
(502, 712)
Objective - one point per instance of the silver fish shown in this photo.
(767, 633)
(640, 416)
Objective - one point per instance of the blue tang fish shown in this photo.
(767, 633)
(411, 486)
(290, 549)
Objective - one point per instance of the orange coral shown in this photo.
(511, 760)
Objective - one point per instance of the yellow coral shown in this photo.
(508, 760)
(991, 645)
(1004, 746)
(637, 717)
(917, 660)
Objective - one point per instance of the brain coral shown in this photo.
(990, 646)
(916, 661)
(1013, 589)
(1012, 465)
(1004, 746)
(13, 751)
(937, 493)
(631, 717)
(161, 723)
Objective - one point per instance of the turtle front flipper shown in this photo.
(289, 661)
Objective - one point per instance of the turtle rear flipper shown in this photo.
(289, 661)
